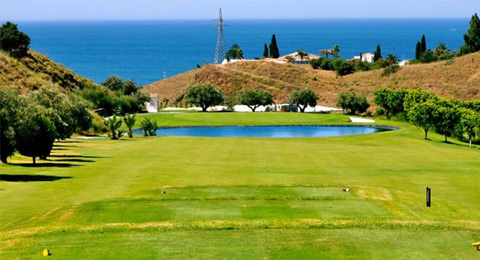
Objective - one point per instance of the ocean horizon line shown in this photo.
(241, 19)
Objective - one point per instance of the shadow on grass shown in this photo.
(40, 165)
(75, 156)
(29, 178)
(70, 160)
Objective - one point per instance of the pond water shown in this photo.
(268, 131)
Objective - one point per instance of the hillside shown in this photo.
(459, 80)
(36, 70)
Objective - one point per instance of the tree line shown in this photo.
(30, 123)
(428, 111)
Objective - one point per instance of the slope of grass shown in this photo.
(459, 80)
(237, 198)
(36, 70)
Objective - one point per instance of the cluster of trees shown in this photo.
(352, 102)
(30, 123)
(428, 111)
(13, 41)
(207, 95)
(113, 124)
(115, 96)
(273, 52)
(441, 52)
(424, 55)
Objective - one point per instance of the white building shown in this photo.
(152, 105)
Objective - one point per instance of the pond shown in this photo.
(269, 131)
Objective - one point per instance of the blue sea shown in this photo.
(147, 51)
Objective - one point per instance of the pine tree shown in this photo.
(472, 37)
(378, 53)
(265, 51)
(424, 44)
(418, 51)
(274, 52)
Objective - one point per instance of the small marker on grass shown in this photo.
(476, 245)
(46, 252)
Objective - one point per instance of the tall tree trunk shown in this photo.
(470, 142)
(34, 160)
(426, 134)
(446, 138)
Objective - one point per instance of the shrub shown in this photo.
(149, 126)
(391, 69)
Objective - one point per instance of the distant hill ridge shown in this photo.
(455, 79)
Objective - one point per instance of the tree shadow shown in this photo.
(41, 165)
(68, 142)
(75, 156)
(70, 160)
(31, 178)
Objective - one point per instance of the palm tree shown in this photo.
(129, 121)
(113, 124)
(301, 54)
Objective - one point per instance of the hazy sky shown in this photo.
(249, 9)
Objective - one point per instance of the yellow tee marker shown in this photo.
(476, 245)
(46, 252)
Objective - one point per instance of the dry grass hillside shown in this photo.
(36, 70)
(459, 79)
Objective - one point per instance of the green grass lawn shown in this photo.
(245, 198)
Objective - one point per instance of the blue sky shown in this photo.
(238, 9)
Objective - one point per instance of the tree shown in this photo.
(265, 51)
(414, 97)
(472, 37)
(67, 113)
(448, 117)
(390, 100)
(113, 124)
(418, 51)
(129, 121)
(14, 41)
(253, 98)
(440, 50)
(129, 87)
(336, 51)
(9, 117)
(302, 54)
(274, 52)
(377, 55)
(423, 44)
(35, 133)
(114, 83)
(423, 115)
(469, 124)
(352, 102)
(342, 67)
(392, 59)
(204, 96)
(235, 52)
(303, 98)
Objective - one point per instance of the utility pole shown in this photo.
(220, 49)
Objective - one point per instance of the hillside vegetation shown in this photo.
(454, 79)
(35, 70)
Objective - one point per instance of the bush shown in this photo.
(342, 67)
(149, 126)
(391, 69)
